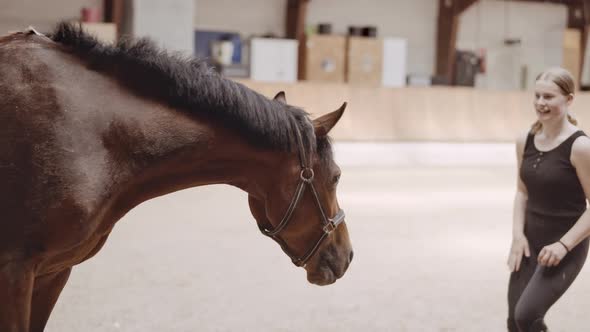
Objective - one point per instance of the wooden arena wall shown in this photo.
(420, 114)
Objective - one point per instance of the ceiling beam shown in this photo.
(579, 18)
(295, 28)
(557, 2)
(114, 11)
(462, 5)
(449, 12)
(575, 15)
(296, 17)
(584, 36)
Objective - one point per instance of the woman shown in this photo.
(551, 225)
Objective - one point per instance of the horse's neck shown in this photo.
(172, 151)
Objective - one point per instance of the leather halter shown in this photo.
(328, 224)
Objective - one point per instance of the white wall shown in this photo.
(540, 26)
(248, 17)
(16, 15)
(414, 20)
(169, 23)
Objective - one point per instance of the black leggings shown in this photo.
(534, 289)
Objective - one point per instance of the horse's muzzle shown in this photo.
(328, 267)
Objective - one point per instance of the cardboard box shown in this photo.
(572, 56)
(364, 63)
(104, 32)
(323, 58)
(273, 60)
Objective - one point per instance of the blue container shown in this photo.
(204, 38)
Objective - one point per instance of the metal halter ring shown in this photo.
(302, 175)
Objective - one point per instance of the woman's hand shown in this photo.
(519, 247)
(552, 254)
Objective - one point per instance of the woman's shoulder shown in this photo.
(581, 144)
(521, 140)
(581, 150)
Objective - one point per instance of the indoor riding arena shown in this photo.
(404, 222)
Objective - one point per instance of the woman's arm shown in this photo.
(520, 244)
(551, 255)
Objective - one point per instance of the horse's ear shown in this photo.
(281, 97)
(325, 123)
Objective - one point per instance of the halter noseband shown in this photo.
(328, 224)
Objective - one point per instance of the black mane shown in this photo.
(190, 85)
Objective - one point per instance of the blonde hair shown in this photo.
(565, 81)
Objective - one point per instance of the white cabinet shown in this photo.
(169, 23)
(273, 60)
(394, 62)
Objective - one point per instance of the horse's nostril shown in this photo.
(351, 255)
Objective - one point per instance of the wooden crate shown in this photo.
(104, 32)
(323, 58)
(364, 63)
(572, 56)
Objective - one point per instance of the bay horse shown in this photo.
(91, 130)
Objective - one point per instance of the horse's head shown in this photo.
(299, 208)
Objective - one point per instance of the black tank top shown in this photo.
(554, 190)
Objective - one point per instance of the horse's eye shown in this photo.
(336, 179)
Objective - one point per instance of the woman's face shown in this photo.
(550, 102)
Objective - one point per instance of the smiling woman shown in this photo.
(551, 225)
(547, 97)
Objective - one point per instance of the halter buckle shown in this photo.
(311, 175)
(333, 223)
(329, 227)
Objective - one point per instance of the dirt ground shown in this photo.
(430, 250)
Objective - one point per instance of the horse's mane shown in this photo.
(190, 85)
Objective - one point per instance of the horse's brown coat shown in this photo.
(79, 149)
